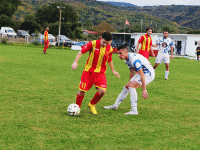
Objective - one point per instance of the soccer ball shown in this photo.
(73, 110)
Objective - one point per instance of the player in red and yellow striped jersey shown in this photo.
(100, 52)
(146, 44)
(46, 40)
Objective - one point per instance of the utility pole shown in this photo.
(60, 9)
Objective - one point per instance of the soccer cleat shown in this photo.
(166, 78)
(110, 107)
(44, 52)
(131, 113)
(92, 108)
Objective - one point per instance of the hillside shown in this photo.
(179, 18)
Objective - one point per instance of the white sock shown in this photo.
(121, 97)
(133, 98)
(166, 74)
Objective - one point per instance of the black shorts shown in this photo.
(198, 53)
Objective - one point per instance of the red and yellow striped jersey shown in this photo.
(46, 37)
(98, 56)
(146, 42)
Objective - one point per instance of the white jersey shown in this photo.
(137, 61)
(164, 45)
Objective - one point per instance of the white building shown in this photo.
(188, 42)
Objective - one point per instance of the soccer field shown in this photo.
(36, 90)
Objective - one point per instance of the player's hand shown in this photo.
(116, 74)
(74, 66)
(144, 94)
(153, 55)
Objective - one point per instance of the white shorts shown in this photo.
(162, 57)
(148, 78)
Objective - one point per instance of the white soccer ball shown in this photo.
(73, 110)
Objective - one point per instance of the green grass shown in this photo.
(36, 90)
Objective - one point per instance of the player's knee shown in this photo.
(81, 93)
(102, 92)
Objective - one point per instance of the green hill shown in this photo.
(179, 18)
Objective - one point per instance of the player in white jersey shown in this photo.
(165, 44)
(146, 74)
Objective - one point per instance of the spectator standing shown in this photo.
(198, 52)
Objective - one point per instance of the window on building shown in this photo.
(195, 43)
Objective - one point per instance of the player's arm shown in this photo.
(144, 93)
(172, 52)
(137, 48)
(151, 49)
(113, 70)
(75, 63)
(155, 45)
(85, 48)
(132, 73)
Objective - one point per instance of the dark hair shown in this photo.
(122, 47)
(107, 36)
(149, 28)
(165, 31)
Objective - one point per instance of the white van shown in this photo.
(8, 31)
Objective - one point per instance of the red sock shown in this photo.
(45, 48)
(79, 100)
(96, 98)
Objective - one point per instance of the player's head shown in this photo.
(165, 33)
(47, 28)
(106, 39)
(122, 51)
(149, 31)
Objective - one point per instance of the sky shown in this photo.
(158, 2)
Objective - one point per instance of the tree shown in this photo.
(167, 28)
(8, 7)
(5, 21)
(51, 14)
(104, 26)
(30, 24)
(88, 25)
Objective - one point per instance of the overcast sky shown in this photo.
(158, 2)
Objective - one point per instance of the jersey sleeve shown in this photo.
(110, 55)
(86, 47)
(141, 39)
(171, 43)
(151, 42)
(137, 64)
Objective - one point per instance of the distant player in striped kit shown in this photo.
(100, 52)
(146, 44)
(46, 40)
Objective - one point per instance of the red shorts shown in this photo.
(144, 53)
(90, 78)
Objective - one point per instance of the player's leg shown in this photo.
(45, 48)
(133, 97)
(166, 61)
(155, 66)
(166, 71)
(101, 84)
(120, 97)
(85, 84)
(136, 83)
(158, 61)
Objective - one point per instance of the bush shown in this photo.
(36, 43)
(4, 41)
